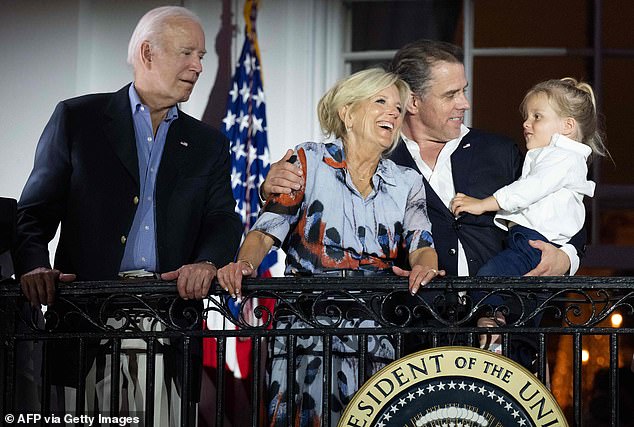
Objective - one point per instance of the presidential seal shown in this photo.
(453, 387)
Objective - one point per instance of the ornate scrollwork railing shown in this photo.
(579, 302)
(325, 307)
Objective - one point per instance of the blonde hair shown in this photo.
(350, 91)
(575, 99)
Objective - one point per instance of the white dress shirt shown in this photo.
(441, 181)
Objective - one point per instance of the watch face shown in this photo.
(453, 387)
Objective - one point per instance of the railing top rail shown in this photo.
(10, 288)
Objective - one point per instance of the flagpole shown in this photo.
(250, 16)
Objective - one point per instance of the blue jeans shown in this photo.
(518, 258)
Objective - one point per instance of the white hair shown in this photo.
(152, 25)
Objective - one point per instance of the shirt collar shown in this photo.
(335, 157)
(137, 105)
(452, 144)
(445, 153)
(566, 143)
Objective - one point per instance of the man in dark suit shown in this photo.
(136, 184)
(452, 158)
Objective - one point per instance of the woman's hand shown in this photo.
(230, 277)
(419, 276)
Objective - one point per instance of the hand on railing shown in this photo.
(230, 277)
(419, 276)
(193, 280)
(38, 285)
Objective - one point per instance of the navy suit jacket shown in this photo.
(86, 177)
(482, 163)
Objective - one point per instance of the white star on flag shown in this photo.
(238, 151)
(229, 120)
(257, 126)
(259, 98)
(245, 93)
(234, 92)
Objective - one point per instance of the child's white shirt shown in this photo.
(548, 197)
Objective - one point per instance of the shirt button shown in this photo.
(149, 139)
(147, 227)
(135, 200)
(143, 258)
(451, 251)
(142, 108)
(123, 240)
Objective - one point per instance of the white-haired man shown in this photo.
(136, 184)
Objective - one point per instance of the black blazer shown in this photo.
(86, 176)
(482, 163)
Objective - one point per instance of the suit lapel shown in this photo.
(119, 132)
(175, 154)
(461, 165)
(401, 156)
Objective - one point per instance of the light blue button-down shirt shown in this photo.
(140, 249)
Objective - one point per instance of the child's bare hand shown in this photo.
(462, 203)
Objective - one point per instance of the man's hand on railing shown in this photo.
(193, 280)
(38, 285)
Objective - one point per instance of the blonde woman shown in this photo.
(355, 212)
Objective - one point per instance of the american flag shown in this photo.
(245, 126)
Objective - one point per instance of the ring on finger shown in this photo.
(433, 270)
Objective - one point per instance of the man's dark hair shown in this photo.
(413, 62)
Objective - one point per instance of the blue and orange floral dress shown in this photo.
(328, 225)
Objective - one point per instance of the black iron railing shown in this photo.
(557, 316)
